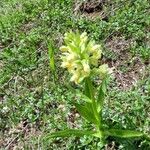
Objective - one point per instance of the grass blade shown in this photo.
(51, 56)
(51, 59)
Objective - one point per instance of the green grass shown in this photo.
(28, 96)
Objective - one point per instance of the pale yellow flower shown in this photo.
(75, 77)
(67, 65)
(86, 66)
(83, 37)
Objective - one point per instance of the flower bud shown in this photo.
(64, 48)
(103, 70)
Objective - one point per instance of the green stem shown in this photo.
(94, 104)
(100, 100)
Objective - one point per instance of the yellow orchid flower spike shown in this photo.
(80, 56)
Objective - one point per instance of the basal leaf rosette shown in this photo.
(80, 57)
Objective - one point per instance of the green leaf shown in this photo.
(51, 56)
(83, 97)
(89, 91)
(79, 94)
(51, 59)
(69, 133)
(86, 112)
(101, 94)
(102, 90)
(123, 133)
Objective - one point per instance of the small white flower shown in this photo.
(5, 109)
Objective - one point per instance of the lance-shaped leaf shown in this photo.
(89, 89)
(122, 133)
(86, 112)
(79, 94)
(101, 94)
(69, 133)
(83, 97)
